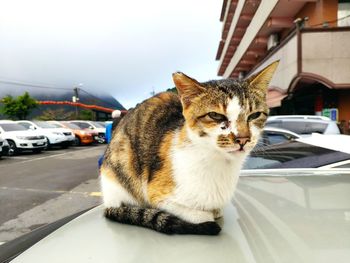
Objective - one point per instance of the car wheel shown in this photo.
(65, 145)
(48, 145)
(76, 142)
(12, 148)
(37, 150)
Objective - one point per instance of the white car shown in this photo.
(94, 126)
(304, 124)
(55, 136)
(2, 141)
(272, 135)
(20, 139)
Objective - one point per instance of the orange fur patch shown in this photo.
(162, 183)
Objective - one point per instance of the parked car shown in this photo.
(82, 137)
(55, 136)
(272, 135)
(315, 151)
(300, 216)
(5, 148)
(304, 124)
(20, 139)
(93, 126)
(1, 146)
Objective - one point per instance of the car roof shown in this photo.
(270, 219)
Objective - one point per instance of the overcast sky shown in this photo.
(126, 48)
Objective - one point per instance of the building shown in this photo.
(311, 38)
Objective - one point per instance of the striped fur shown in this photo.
(159, 220)
(174, 160)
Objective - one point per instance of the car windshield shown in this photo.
(71, 125)
(56, 125)
(98, 124)
(101, 123)
(12, 127)
(292, 154)
(44, 125)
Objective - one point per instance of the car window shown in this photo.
(71, 125)
(99, 125)
(83, 125)
(274, 137)
(56, 125)
(274, 123)
(315, 127)
(25, 124)
(347, 165)
(12, 127)
(44, 125)
(294, 126)
(292, 154)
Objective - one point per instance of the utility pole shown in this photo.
(75, 99)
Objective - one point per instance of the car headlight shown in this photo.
(22, 137)
(57, 133)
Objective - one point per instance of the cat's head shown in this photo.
(226, 114)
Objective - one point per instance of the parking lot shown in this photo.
(37, 189)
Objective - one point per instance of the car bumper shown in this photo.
(86, 139)
(57, 140)
(23, 144)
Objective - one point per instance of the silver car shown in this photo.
(278, 216)
(304, 124)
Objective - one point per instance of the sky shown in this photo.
(124, 48)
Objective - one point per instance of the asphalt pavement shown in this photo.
(36, 189)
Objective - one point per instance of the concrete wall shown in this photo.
(287, 69)
(327, 54)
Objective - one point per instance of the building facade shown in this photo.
(311, 38)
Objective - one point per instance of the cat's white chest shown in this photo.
(205, 179)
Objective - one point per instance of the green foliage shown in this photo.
(172, 90)
(59, 115)
(85, 115)
(19, 107)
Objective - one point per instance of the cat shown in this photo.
(174, 160)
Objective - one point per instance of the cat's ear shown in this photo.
(262, 79)
(187, 87)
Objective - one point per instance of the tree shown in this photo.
(18, 108)
(58, 114)
(85, 115)
(172, 89)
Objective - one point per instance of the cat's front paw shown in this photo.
(218, 213)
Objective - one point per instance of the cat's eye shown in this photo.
(217, 116)
(254, 116)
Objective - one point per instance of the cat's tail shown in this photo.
(159, 220)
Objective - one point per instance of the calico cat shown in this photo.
(174, 160)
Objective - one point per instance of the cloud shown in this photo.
(125, 48)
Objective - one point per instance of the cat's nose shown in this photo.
(242, 140)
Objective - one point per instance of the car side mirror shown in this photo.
(32, 127)
(91, 128)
